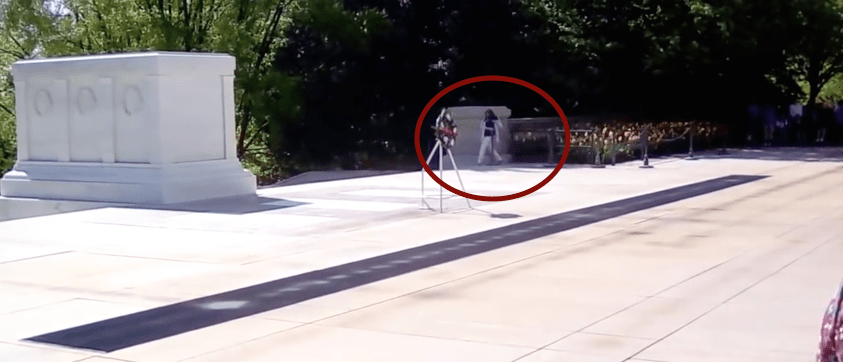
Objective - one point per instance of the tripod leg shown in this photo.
(441, 176)
(422, 187)
(432, 152)
(453, 162)
(430, 157)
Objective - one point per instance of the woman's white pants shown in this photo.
(486, 146)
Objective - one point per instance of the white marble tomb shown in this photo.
(146, 128)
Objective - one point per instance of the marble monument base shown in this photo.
(22, 208)
(128, 183)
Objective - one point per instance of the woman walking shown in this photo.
(490, 128)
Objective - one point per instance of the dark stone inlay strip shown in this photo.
(170, 320)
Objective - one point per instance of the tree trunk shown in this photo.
(188, 31)
(244, 124)
(263, 51)
(812, 101)
(814, 88)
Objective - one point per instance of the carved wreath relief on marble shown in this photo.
(132, 100)
(86, 100)
(43, 102)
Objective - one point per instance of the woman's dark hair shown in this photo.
(449, 119)
(490, 114)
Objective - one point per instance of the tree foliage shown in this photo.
(815, 55)
(321, 81)
(246, 29)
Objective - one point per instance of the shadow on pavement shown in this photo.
(805, 154)
(236, 205)
(505, 216)
(324, 176)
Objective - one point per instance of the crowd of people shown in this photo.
(796, 124)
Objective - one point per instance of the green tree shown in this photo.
(247, 29)
(816, 53)
(23, 24)
(329, 50)
(364, 81)
(7, 114)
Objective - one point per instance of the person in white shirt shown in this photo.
(490, 131)
(796, 111)
(796, 121)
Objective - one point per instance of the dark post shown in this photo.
(725, 136)
(645, 142)
(691, 144)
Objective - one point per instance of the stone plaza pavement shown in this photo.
(740, 274)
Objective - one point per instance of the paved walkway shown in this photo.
(741, 274)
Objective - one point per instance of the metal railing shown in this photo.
(550, 127)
